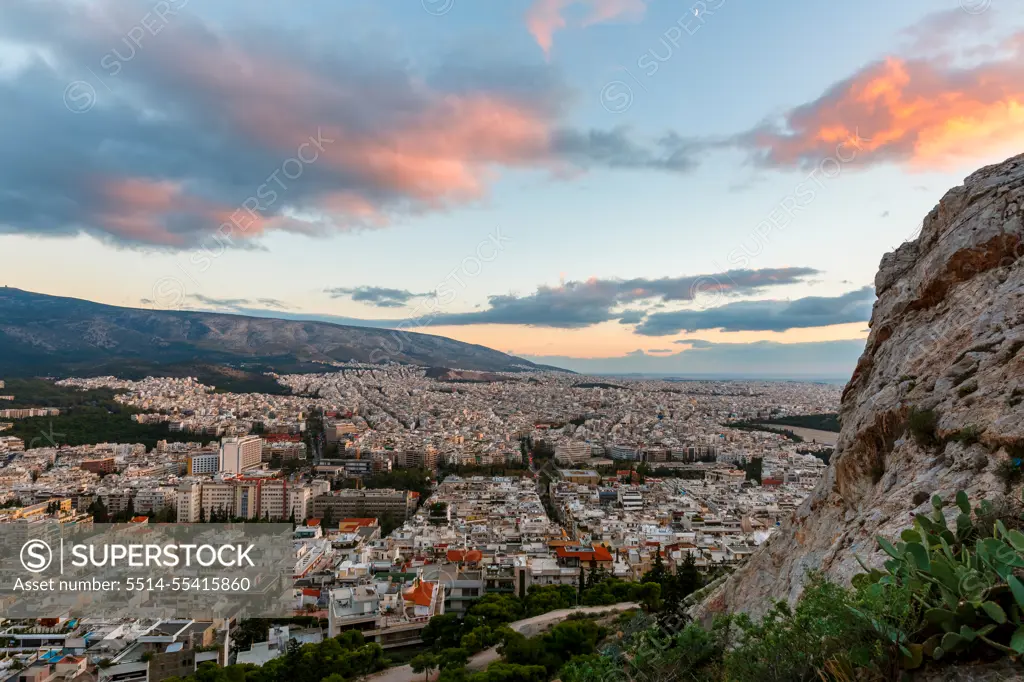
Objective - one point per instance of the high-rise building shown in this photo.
(189, 502)
(239, 454)
(204, 463)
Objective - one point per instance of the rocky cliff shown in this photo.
(936, 403)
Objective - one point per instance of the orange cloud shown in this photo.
(144, 210)
(924, 113)
(545, 17)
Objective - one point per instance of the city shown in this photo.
(518, 341)
(524, 480)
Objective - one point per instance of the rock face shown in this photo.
(947, 334)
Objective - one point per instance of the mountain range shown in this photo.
(52, 335)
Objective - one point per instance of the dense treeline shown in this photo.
(344, 657)
(821, 422)
(758, 426)
(86, 418)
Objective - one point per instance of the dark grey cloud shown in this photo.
(162, 143)
(777, 316)
(631, 316)
(617, 149)
(582, 304)
(695, 343)
(381, 297)
(827, 360)
(236, 304)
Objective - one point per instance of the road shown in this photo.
(529, 627)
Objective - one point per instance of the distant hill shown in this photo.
(44, 335)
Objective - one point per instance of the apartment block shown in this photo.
(240, 454)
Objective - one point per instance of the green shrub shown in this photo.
(967, 389)
(1009, 472)
(962, 577)
(969, 435)
(923, 426)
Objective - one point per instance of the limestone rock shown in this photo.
(947, 334)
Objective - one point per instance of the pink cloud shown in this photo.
(545, 17)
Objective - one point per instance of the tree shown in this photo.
(443, 632)
(658, 573)
(453, 658)
(99, 511)
(753, 469)
(249, 631)
(424, 663)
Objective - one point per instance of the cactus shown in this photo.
(962, 578)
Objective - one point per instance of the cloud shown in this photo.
(577, 304)
(545, 17)
(381, 297)
(694, 343)
(921, 109)
(777, 316)
(616, 149)
(236, 304)
(631, 316)
(201, 129)
(661, 350)
(826, 360)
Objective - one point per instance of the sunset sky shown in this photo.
(605, 185)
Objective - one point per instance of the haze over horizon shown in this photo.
(609, 186)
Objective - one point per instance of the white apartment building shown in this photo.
(574, 452)
(624, 452)
(319, 487)
(152, 500)
(239, 454)
(217, 497)
(204, 463)
(630, 498)
(189, 502)
(299, 502)
(273, 499)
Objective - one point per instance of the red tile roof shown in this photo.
(422, 594)
(597, 553)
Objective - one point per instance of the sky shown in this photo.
(604, 185)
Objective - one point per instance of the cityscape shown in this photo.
(511, 341)
(520, 480)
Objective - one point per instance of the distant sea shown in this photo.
(838, 381)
